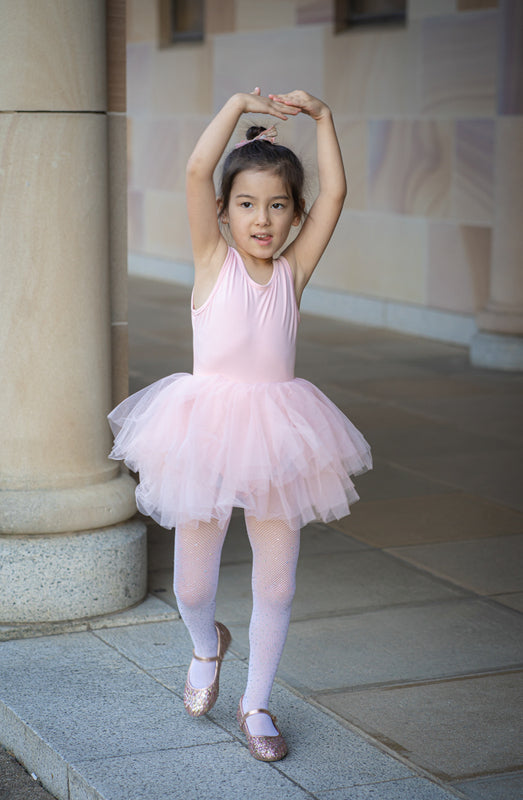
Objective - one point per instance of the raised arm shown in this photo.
(305, 252)
(201, 199)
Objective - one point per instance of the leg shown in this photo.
(275, 548)
(197, 554)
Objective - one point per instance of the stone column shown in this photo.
(499, 342)
(66, 548)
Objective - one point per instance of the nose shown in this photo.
(262, 216)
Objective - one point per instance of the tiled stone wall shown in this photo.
(421, 113)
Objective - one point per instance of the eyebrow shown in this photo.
(252, 197)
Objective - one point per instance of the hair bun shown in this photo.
(254, 131)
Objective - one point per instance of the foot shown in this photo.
(260, 724)
(264, 747)
(199, 699)
(201, 673)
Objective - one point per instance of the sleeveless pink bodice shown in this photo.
(246, 331)
(241, 431)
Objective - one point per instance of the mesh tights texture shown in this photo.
(275, 547)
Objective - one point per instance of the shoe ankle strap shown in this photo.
(257, 711)
(202, 658)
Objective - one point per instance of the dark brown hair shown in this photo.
(262, 154)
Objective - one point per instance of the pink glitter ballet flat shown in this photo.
(200, 701)
(264, 748)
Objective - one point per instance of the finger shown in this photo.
(286, 100)
(257, 91)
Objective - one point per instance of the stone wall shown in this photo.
(429, 117)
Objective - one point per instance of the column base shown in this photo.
(68, 576)
(497, 351)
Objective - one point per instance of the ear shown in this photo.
(223, 216)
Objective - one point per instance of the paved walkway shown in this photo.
(401, 677)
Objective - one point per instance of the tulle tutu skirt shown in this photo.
(204, 444)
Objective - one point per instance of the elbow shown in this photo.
(193, 168)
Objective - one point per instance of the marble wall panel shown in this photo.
(156, 158)
(315, 12)
(142, 21)
(276, 61)
(353, 142)
(61, 45)
(135, 220)
(182, 79)
(410, 166)
(262, 15)
(458, 266)
(473, 173)
(166, 226)
(418, 9)
(372, 72)
(376, 254)
(139, 77)
(220, 17)
(458, 64)
(510, 76)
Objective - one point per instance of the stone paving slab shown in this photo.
(514, 600)
(418, 788)
(316, 539)
(323, 754)
(151, 610)
(497, 787)
(80, 695)
(397, 644)
(494, 474)
(153, 646)
(486, 566)
(395, 432)
(431, 518)
(89, 722)
(400, 391)
(389, 481)
(186, 773)
(454, 729)
(474, 413)
(350, 582)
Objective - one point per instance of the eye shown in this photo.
(278, 206)
(246, 204)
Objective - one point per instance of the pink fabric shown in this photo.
(242, 430)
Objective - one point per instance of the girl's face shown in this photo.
(260, 214)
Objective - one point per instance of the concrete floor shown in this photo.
(401, 677)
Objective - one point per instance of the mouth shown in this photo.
(262, 238)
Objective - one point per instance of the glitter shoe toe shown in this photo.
(264, 748)
(200, 701)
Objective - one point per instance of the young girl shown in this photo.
(242, 431)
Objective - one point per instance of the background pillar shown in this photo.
(66, 548)
(499, 342)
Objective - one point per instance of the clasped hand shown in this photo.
(282, 105)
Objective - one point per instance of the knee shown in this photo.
(192, 597)
(277, 593)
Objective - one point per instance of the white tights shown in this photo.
(275, 548)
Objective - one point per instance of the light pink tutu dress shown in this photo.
(241, 431)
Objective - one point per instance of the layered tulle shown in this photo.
(203, 444)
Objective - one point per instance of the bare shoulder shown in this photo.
(206, 273)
